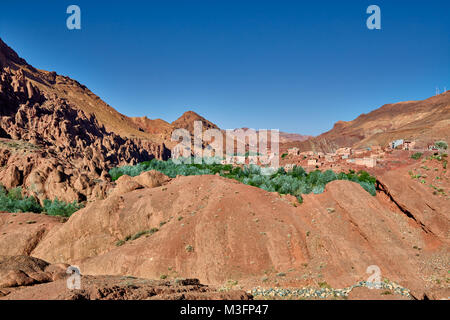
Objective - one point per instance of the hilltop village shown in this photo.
(395, 154)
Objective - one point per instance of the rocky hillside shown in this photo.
(57, 137)
(425, 121)
(163, 130)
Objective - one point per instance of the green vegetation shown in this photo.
(61, 208)
(294, 182)
(136, 236)
(417, 155)
(324, 285)
(440, 157)
(14, 201)
(441, 145)
(284, 155)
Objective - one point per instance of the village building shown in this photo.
(396, 143)
(408, 145)
(367, 162)
(359, 151)
(376, 148)
(294, 151)
(344, 151)
(289, 167)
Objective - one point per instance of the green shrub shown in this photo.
(61, 208)
(441, 145)
(417, 155)
(13, 201)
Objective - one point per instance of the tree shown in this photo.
(441, 145)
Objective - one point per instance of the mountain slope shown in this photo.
(53, 85)
(186, 121)
(424, 121)
(57, 136)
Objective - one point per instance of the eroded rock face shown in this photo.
(55, 150)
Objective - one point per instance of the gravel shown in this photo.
(323, 293)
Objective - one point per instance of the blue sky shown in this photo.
(298, 66)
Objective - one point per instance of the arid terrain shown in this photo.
(155, 236)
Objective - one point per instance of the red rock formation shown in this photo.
(67, 149)
(424, 121)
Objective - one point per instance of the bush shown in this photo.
(13, 201)
(441, 145)
(61, 208)
(417, 155)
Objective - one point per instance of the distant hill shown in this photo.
(424, 121)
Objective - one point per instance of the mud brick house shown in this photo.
(294, 151)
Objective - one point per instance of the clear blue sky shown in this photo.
(298, 66)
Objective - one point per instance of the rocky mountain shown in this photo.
(163, 130)
(286, 137)
(57, 137)
(424, 121)
(186, 121)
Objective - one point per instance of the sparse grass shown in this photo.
(136, 236)
(417, 155)
(120, 243)
(18, 145)
(324, 285)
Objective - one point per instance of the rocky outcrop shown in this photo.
(124, 288)
(17, 271)
(52, 147)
